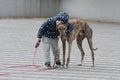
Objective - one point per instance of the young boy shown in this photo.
(49, 36)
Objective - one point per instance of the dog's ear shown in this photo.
(67, 27)
(57, 27)
(83, 23)
(67, 30)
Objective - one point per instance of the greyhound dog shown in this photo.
(81, 30)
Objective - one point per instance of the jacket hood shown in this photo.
(63, 16)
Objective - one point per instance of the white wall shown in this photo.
(28, 8)
(92, 9)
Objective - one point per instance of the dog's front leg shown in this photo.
(69, 51)
(64, 48)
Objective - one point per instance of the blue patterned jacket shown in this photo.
(48, 28)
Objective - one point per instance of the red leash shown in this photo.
(33, 64)
(34, 56)
(28, 65)
(37, 66)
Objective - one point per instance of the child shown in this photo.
(49, 36)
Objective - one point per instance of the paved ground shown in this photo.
(17, 39)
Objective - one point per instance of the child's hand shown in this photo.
(37, 44)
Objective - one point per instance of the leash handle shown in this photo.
(37, 44)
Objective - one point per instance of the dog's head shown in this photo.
(62, 28)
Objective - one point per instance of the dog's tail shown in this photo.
(94, 49)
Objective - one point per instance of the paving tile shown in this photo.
(17, 40)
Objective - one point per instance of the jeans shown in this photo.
(50, 43)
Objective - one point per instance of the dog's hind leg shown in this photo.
(79, 44)
(91, 48)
